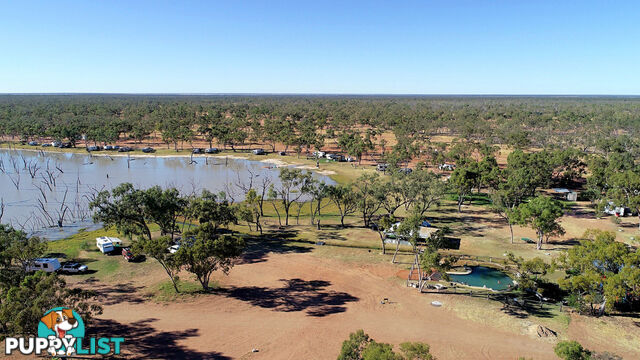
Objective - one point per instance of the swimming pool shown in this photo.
(482, 276)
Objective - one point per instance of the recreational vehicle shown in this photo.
(44, 264)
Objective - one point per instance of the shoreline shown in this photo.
(276, 162)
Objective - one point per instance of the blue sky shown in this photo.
(370, 47)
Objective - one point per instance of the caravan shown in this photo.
(107, 244)
(45, 264)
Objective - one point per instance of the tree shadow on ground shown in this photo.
(295, 295)
(258, 247)
(567, 242)
(143, 341)
(55, 255)
(530, 308)
(111, 294)
(330, 235)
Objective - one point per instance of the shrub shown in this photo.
(571, 350)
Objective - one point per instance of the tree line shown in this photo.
(353, 124)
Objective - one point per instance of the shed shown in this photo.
(566, 194)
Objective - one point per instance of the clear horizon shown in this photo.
(501, 48)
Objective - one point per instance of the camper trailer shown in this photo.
(107, 244)
(44, 264)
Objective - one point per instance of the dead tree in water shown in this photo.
(63, 208)
(41, 192)
(15, 177)
(33, 167)
(45, 213)
(1, 208)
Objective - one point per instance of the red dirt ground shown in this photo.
(300, 306)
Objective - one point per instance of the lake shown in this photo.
(38, 188)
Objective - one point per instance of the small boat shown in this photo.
(436, 303)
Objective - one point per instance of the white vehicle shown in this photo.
(173, 249)
(619, 211)
(319, 154)
(107, 244)
(73, 268)
(44, 264)
(447, 167)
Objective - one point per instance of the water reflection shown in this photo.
(41, 189)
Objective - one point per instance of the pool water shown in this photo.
(482, 276)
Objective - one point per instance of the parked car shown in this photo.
(73, 268)
(108, 147)
(258, 152)
(148, 150)
(619, 211)
(197, 151)
(46, 145)
(405, 171)
(94, 148)
(45, 264)
(129, 256)
(124, 149)
(33, 143)
(318, 154)
(212, 151)
(447, 167)
(173, 248)
(382, 167)
(282, 153)
(65, 145)
(335, 157)
(56, 144)
(350, 159)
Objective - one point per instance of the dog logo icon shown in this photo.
(65, 326)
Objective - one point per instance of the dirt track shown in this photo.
(299, 306)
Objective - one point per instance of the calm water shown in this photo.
(483, 276)
(65, 182)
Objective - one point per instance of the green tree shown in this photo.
(252, 201)
(425, 189)
(353, 347)
(625, 190)
(416, 351)
(514, 187)
(17, 247)
(602, 272)
(125, 207)
(462, 182)
(209, 252)
(156, 248)
(163, 208)
(23, 304)
(571, 350)
(370, 195)
(213, 209)
(293, 185)
(541, 214)
(379, 351)
(360, 346)
(383, 224)
(318, 191)
(530, 271)
(344, 199)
